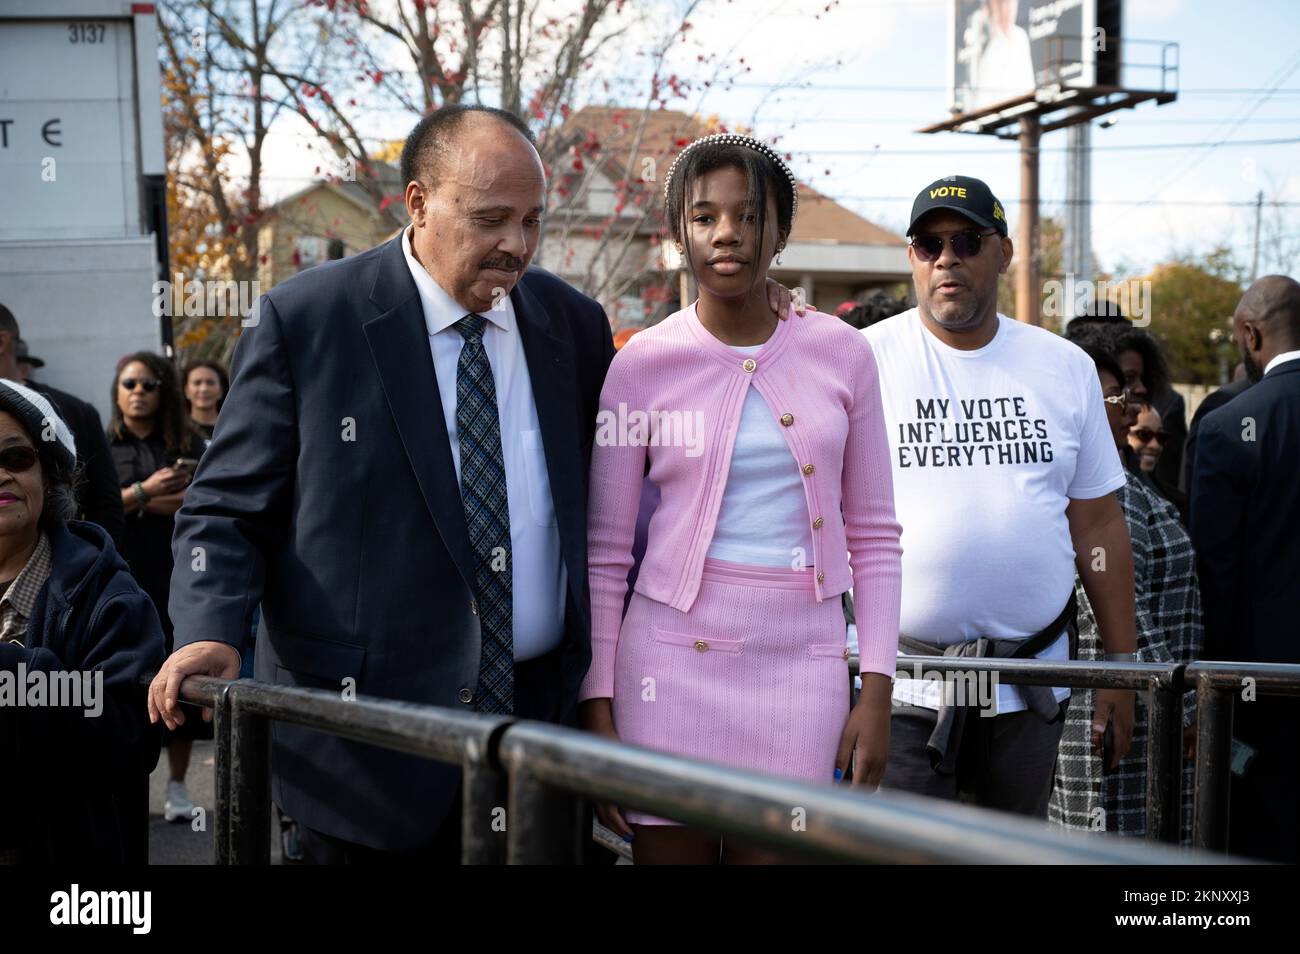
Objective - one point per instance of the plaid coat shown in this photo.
(1169, 629)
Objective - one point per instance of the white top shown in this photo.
(989, 447)
(1282, 358)
(538, 573)
(763, 520)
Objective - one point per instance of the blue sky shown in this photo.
(859, 146)
(902, 43)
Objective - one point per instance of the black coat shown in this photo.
(1246, 530)
(84, 781)
(99, 495)
(329, 495)
(1212, 402)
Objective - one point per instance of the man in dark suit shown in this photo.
(342, 493)
(1246, 530)
(399, 479)
(100, 495)
(1211, 402)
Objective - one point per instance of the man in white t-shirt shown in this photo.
(1004, 480)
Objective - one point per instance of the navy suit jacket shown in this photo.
(1246, 530)
(329, 496)
(1246, 521)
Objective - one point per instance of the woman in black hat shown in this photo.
(76, 636)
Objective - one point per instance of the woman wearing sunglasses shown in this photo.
(766, 440)
(76, 763)
(156, 449)
(1147, 438)
(1167, 600)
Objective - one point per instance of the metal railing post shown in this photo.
(1165, 757)
(250, 785)
(221, 824)
(1213, 764)
(545, 823)
(484, 816)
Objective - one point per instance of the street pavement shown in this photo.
(179, 843)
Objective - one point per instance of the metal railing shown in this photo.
(540, 774)
(1162, 685)
(1215, 683)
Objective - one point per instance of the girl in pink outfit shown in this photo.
(767, 442)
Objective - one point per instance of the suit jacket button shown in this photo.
(787, 419)
(749, 364)
(808, 470)
(466, 696)
(701, 645)
(817, 524)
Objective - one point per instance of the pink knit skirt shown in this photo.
(754, 676)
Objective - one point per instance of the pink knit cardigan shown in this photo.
(818, 377)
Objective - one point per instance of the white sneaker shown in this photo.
(177, 805)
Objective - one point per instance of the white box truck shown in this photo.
(83, 233)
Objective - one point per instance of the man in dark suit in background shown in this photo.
(99, 495)
(1211, 402)
(1246, 530)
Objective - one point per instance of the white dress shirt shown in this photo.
(1282, 358)
(538, 574)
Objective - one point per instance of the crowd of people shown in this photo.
(424, 477)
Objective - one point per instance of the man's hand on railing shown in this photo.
(866, 733)
(1114, 706)
(597, 715)
(205, 658)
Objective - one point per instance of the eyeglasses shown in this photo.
(18, 458)
(1145, 435)
(149, 384)
(965, 244)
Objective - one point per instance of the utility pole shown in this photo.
(1028, 290)
(1259, 213)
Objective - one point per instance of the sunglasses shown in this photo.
(149, 384)
(965, 244)
(1145, 435)
(18, 458)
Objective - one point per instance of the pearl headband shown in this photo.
(730, 139)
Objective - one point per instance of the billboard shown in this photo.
(1004, 49)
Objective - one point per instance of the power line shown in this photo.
(938, 151)
(1181, 203)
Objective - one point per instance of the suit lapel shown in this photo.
(399, 347)
(555, 394)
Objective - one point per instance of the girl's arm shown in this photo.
(870, 526)
(617, 471)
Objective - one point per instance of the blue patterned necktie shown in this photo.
(487, 516)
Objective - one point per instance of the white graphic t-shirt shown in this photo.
(989, 447)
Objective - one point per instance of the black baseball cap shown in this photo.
(964, 195)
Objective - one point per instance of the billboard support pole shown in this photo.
(1078, 218)
(1028, 297)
